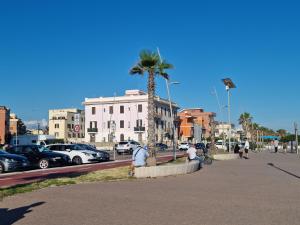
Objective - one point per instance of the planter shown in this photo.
(223, 157)
(168, 170)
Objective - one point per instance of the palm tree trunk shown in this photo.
(151, 122)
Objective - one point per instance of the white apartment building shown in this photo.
(120, 118)
(67, 124)
(222, 131)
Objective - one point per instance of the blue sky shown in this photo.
(53, 54)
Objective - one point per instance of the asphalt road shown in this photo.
(16, 178)
(263, 190)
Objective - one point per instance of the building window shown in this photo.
(108, 124)
(69, 126)
(140, 108)
(56, 125)
(121, 109)
(111, 110)
(72, 118)
(74, 135)
(122, 137)
(93, 110)
(121, 123)
(56, 134)
(139, 123)
(72, 126)
(93, 124)
(128, 124)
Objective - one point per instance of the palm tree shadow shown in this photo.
(11, 216)
(287, 172)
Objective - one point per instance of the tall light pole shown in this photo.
(229, 85)
(168, 83)
(296, 137)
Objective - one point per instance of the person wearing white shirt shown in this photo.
(247, 147)
(192, 155)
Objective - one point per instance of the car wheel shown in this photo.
(77, 160)
(43, 164)
(1, 168)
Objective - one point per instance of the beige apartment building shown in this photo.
(67, 124)
(17, 127)
(4, 125)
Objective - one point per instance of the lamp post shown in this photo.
(229, 85)
(168, 83)
(296, 137)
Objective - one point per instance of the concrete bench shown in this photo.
(223, 157)
(167, 170)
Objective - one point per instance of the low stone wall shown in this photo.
(168, 170)
(223, 157)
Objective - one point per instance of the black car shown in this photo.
(102, 156)
(11, 162)
(161, 146)
(40, 156)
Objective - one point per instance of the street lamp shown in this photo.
(168, 83)
(229, 85)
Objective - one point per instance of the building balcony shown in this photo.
(92, 130)
(139, 129)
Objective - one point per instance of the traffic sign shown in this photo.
(77, 128)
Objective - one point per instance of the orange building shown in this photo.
(190, 119)
(4, 124)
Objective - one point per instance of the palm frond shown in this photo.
(136, 70)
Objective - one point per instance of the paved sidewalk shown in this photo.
(263, 190)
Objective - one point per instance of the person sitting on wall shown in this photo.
(192, 155)
(139, 158)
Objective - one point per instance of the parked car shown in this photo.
(161, 146)
(184, 146)
(220, 145)
(102, 156)
(11, 162)
(39, 156)
(78, 154)
(200, 146)
(127, 147)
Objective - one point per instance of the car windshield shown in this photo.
(86, 147)
(43, 149)
(184, 143)
(123, 143)
(2, 152)
(77, 147)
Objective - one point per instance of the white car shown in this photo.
(220, 145)
(184, 146)
(77, 154)
(127, 147)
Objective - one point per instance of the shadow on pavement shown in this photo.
(11, 216)
(287, 172)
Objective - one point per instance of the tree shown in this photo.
(245, 120)
(281, 132)
(149, 62)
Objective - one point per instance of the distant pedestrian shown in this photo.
(276, 143)
(246, 148)
(236, 148)
(285, 147)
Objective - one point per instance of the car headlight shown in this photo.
(10, 160)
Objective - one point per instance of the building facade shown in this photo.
(4, 125)
(115, 119)
(222, 131)
(67, 124)
(16, 127)
(191, 120)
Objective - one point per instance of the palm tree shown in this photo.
(245, 120)
(282, 132)
(149, 62)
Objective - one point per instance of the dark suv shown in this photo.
(40, 156)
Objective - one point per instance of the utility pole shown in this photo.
(296, 137)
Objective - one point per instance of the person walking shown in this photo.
(276, 143)
(246, 148)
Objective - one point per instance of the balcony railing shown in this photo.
(139, 129)
(92, 130)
